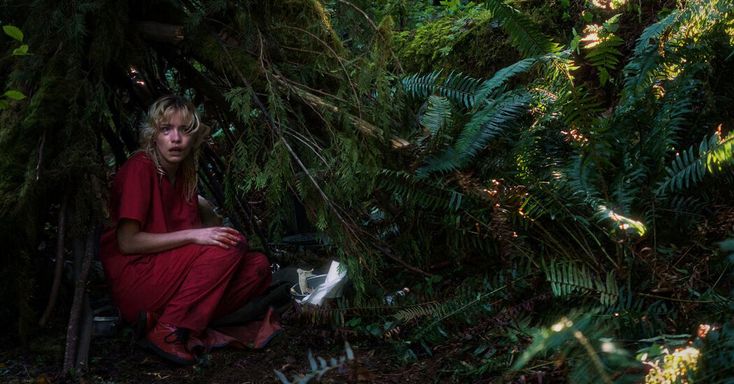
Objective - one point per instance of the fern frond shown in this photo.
(488, 87)
(417, 311)
(567, 279)
(456, 87)
(687, 206)
(464, 303)
(689, 167)
(579, 108)
(420, 85)
(460, 89)
(579, 338)
(605, 56)
(641, 67)
(486, 124)
(580, 177)
(524, 34)
(670, 120)
(437, 115)
(427, 194)
(626, 186)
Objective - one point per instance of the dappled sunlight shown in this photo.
(608, 4)
(676, 367)
(622, 222)
(591, 36)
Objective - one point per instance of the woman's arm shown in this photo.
(131, 240)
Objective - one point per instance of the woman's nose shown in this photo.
(175, 135)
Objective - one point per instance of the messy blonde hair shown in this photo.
(158, 114)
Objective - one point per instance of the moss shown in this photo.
(469, 42)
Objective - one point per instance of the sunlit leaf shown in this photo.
(21, 51)
(13, 32)
(14, 95)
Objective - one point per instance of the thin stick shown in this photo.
(59, 267)
(72, 331)
(40, 155)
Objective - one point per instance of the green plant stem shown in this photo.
(592, 354)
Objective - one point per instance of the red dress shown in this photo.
(188, 286)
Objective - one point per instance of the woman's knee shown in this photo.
(258, 259)
(217, 254)
(259, 264)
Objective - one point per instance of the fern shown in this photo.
(456, 87)
(486, 124)
(579, 108)
(437, 115)
(625, 187)
(524, 34)
(645, 60)
(464, 303)
(567, 279)
(428, 194)
(601, 47)
(689, 167)
(318, 367)
(669, 120)
(592, 357)
(420, 85)
(501, 77)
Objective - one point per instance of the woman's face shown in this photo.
(173, 143)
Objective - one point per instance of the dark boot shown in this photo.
(169, 342)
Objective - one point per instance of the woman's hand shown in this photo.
(131, 240)
(224, 237)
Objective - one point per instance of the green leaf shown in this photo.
(21, 51)
(14, 95)
(13, 32)
(4, 104)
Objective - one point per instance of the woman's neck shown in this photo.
(171, 171)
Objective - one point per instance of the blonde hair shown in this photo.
(160, 112)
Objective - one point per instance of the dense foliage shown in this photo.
(550, 178)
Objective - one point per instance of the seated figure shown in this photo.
(169, 268)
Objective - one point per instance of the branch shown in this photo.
(361, 125)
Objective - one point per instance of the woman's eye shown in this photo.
(165, 129)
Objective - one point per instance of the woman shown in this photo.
(159, 259)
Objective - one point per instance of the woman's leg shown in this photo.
(196, 300)
(253, 277)
(183, 285)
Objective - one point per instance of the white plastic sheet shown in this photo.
(331, 288)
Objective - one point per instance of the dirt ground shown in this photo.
(117, 359)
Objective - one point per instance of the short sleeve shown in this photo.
(134, 184)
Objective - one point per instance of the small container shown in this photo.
(105, 325)
(105, 321)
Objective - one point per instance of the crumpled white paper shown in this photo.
(331, 288)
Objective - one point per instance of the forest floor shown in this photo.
(118, 359)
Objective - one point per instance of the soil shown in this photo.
(118, 359)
